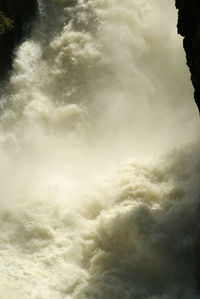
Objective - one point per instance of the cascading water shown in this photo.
(99, 167)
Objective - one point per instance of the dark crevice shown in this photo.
(21, 13)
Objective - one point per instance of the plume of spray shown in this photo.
(88, 207)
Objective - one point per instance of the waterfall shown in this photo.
(99, 156)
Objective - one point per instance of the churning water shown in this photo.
(100, 163)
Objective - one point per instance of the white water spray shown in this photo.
(99, 165)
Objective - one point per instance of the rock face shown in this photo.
(189, 27)
(21, 12)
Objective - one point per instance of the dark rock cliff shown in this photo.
(21, 13)
(189, 27)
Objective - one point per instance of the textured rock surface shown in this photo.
(22, 13)
(189, 28)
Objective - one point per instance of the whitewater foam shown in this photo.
(99, 187)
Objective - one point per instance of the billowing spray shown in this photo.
(99, 156)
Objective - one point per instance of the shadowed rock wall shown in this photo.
(21, 12)
(189, 27)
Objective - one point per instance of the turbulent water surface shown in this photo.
(100, 163)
